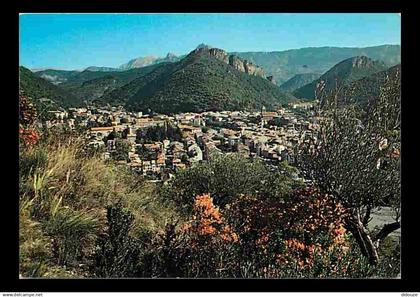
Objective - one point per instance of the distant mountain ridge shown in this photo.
(98, 68)
(176, 75)
(148, 60)
(283, 65)
(340, 75)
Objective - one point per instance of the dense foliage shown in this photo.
(253, 237)
(159, 133)
(122, 147)
(28, 135)
(64, 191)
(117, 253)
(226, 177)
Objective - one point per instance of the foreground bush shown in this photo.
(117, 252)
(257, 236)
(298, 238)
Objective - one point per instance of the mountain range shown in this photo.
(56, 76)
(282, 65)
(206, 79)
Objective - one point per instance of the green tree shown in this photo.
(146, 154)
(159, 133)
(355, 158)
(225, 177)
(121, 150)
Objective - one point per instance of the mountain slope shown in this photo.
(366, 91)
(201, 81)
(37, 87)
(90, 85)
(341, 74)
(283, 65)
(299, 80)
(56, 76)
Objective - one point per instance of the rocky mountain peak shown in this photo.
(203, 45)
(362, 61)
(233, 60)
(170, 55)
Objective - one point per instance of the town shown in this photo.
(151, 151)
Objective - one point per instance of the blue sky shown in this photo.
(76, 41)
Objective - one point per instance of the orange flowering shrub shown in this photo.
(312, 217)
(28, 136)
(207, 221)
(27, 115)
(306, 225)
(27, 111)
(303, 236)
(204, 246)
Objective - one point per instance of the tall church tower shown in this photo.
(262, 110)
(262, 116)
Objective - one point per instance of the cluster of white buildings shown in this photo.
(272, 136)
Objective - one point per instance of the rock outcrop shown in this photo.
(362, 62)
(233, 60)
(252, 69)
(236, 63)
(219, 54)
(170, 57)
(245, 66)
